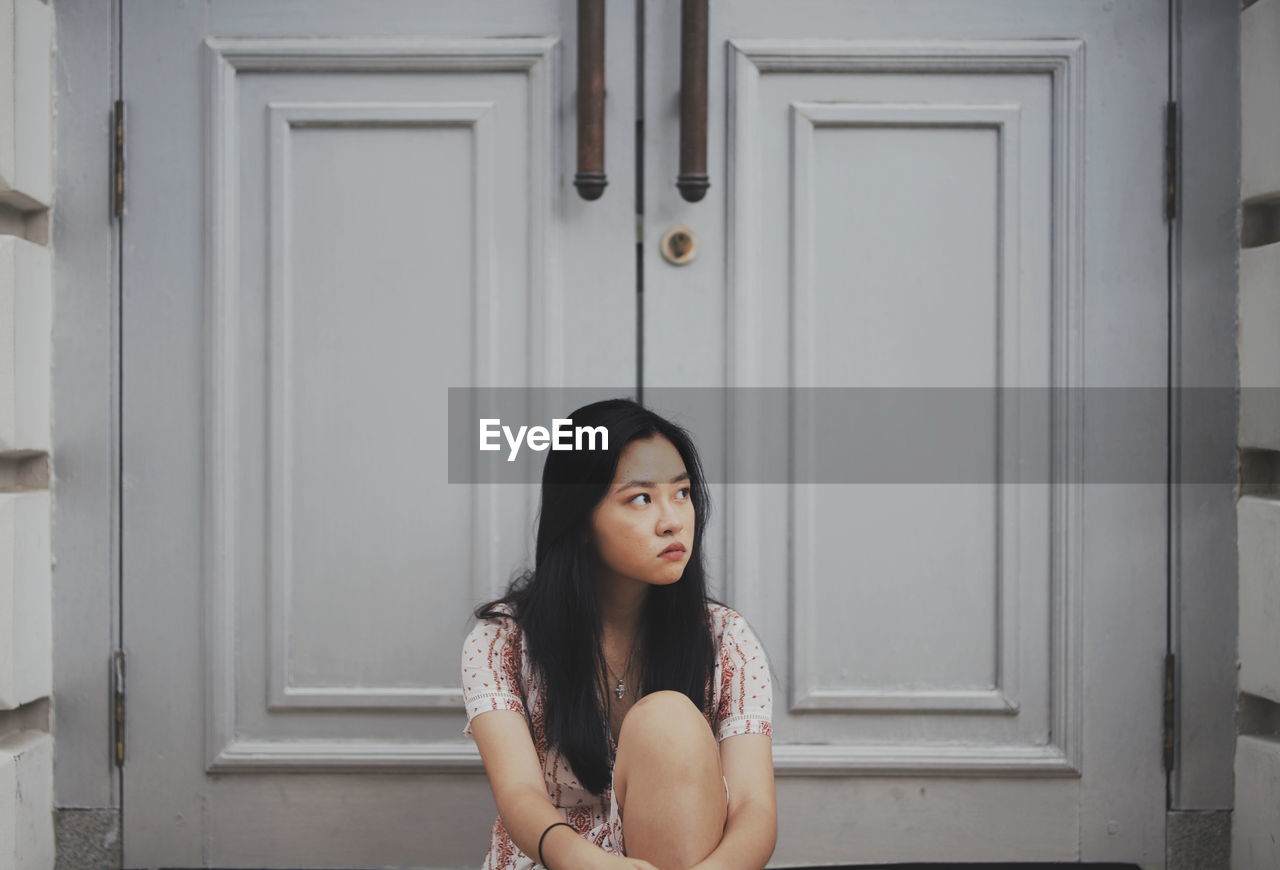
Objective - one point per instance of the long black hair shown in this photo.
(555, 603)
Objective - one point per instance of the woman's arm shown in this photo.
(527, 814)
(752, 828)
(511, 763)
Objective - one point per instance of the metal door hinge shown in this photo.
(117, 706)
(117, 158)
(1168, 711)
(1171, 148)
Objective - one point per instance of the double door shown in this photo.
(338, 211)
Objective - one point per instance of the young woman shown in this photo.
(607, 678)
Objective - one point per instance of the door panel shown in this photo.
(335, 213)
(919, 209)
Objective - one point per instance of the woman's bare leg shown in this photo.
(667, 778)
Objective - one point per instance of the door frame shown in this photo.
(1204, 251)
(1203, 256)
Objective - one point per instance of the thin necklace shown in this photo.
(618, 689)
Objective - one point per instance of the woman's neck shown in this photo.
(621, 603)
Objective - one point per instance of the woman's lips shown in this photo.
(673, 555)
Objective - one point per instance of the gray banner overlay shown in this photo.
(880, 434)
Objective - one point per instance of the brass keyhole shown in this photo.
(679, 245)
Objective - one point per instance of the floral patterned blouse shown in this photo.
(497, 675)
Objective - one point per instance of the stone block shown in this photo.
(26, 801)
(1259, 343)
(1259, 99)
(26, 339)
(1255, 821)
(26, 104)
(26, 595)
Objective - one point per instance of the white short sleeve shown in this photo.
(746, 689)
(491, 669)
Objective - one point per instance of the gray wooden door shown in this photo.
(965, 198)
(336, 211)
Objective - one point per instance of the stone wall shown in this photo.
(26, 307)
(1255, 840)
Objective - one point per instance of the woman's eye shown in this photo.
(687, 490)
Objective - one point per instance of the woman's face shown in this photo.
(647, 508)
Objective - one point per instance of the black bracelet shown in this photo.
(544, 836)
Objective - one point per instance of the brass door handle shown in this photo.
(692, 180)
(590, 179)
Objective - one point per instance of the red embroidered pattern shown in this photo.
(496, 675)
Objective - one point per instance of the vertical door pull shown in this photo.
(693, 181)
(590, 179)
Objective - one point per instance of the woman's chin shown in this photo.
(671, 575)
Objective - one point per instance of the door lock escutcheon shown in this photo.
(679, 245)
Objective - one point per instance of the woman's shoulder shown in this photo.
(718, 610)
(723, 618)
(498, 618)
(506, 608)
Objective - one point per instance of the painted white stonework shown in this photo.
(1255, 819)
(26, 800)
(26, 102)
(25, 619)
(1259, 347)
(26, 312)
(1259, 100)
(1259, 520)
(1255, 844)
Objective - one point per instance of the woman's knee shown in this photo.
(668, 717)
(667, 738)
